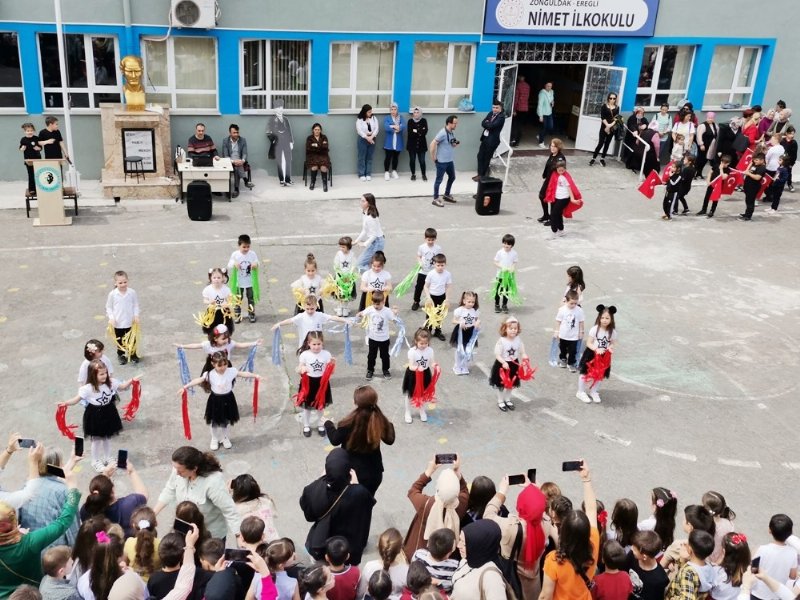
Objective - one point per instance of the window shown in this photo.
(273, 70)
(91, 63)
(361, 73)
(548, 52)
(733, 72)
(181, 72)
(442, 74)
(11, 95)
(664, 76)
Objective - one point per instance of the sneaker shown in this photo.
(546, 222)
(362, 178)
(510, 405)
(424, 178)
(214, 444)
(415, 306)
(339, 311)
(666, 218)
(423, 416)
(123, 360)
(237, 319)
(561, 233)
(250, 185)
(572, 369)
(135, 359)
(407, 417)
(321, 431)
(369, 177)
(226, 443)
(685, 211)
(369, 375)
(395, 175)
(710, 216)
(583, 397)
(702, 212)
(252, 317)
(769, 211)
(675, 213)
(502, 407)
(387, 176)
(790, 188)
(307, 431)
(387, 375)
(595, 397)
(603, 162)
(457, 371)
(289, 182)
(98, 466)
(562, 364)
(542, 219)
(542, 146)
(438, 203)
(497, 308)
(505, 310)
(448, 198)
(413, 178)
(235, 194)
(591, 163)
(439, 336)
(742, 218)
(345, 312)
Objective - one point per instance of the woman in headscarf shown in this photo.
(531, 505)
(707, 134)
(417, 142)
(478, 577)
(651, 160)
(337, 505)
(727, 137)
(637, 123)
(445, 508)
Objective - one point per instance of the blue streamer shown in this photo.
(277, 341)
(554, 352)
(249, 365)
(348, 349)
(473, 341)
(578, 352)
(401, 337)
(183, 366)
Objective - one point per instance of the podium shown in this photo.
(49, 192)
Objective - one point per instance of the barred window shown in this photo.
(273, 70)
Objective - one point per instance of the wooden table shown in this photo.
(218, 176)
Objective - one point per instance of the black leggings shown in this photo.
(604, 142)
(557, 214)
(413, 157)
(391, 159)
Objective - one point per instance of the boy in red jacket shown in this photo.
(612, 584)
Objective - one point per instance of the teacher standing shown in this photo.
(608, 124)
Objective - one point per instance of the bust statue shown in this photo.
(131, 67)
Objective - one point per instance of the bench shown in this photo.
(69, 194)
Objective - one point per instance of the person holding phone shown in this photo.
(103, 500)
(20, 497)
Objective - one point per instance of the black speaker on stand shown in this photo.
(198, 200)
(490, 192)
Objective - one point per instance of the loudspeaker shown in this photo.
(198, 200)
(487, 200)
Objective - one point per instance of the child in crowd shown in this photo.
(101, 419)
(51, 141)
(122, 310)
(775, 191)
(93, 350)
(467, 322)
(734, 563)
(505, 260)
(575, 283)
(309, 284)
(417, 581)
(437, 288)
(313, 361)
(425, 254)
(57, 564)
(211, 550)
(774, 152)
(219, 340)
(317, 581)
(221, 408)
(344, 267)
(31, 150)
(251, 501)
(717, 170)
(420, 358)
(687, 176)
(281, 559)
(378, 317)
(141, 551)
(251, 533)
(672, 190)
(614, 583)
(310, 320)
(569, 331)
(245, 261)
(623, 523)
(345, 576)
(723, 520)
(509, 351)
(170, 555)
(695, 516)
(676, 156)
(790, 147)
(376, 279)
(436, 558)
(777, 559)
(664, 505)
(218, 295)
(602, 338)
(688, 581)
(752, 185)
(649, 579)
(380, 585)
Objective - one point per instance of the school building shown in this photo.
(229, 61)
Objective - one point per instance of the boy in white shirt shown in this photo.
(437, 288)
(505, 260)
(244, 261)
(425, 254)
(777, 559)
(378, 317)
(569, 330)
(122, 310)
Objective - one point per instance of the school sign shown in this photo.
(571, 17)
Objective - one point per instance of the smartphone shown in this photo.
(56, 471)
(78, 446)
(572, 465)
(532, 475)
(516, 479)
(27, 443)
(445, 459)
(754, 565)
(181, 526)
(237, 554)
(122, 459)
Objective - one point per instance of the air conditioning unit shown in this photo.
(200, 14)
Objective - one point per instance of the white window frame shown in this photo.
(15, 90)
(351, 90)
(91, 87)
(653, 89)
(734, 89)
(449, 90)
(170, 88)
(265, 56)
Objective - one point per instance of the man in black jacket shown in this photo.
(490, 138)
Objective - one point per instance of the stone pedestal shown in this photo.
(161, 184)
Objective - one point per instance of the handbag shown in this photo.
(508, 566)
(320, 531)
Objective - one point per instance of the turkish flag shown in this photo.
(665, 174)
(716, 189)
(744, 162)
(648, 186)
(730, 183)
(766, 181)
(738, 177)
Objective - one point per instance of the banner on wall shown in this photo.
(571, 17)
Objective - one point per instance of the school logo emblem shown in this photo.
(48, 179)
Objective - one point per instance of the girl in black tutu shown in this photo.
(100, 419)
(221, 408)
(602, 338)
(509, 351)
(467, 320)
(420, 358)
(314, 375)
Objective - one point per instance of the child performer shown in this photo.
(752, 185)
(508, 352)
(101, 419)
(778, 185)
(344, 268)
(378, 316)
(790, 147)
(721, 170)
(687, 177)
(563, 195)
(467, 320)
(425, 254)
(219, 340)
(217, 297)
(376, 279)
(245, 263)
(309, 284)
(221, 408)
(93, 350)
(437, 289)
(569, 331)
(676, 156)
(602, 338)
(30, 148)
(122, 309)
(672, 189)
(420, 358)
(310, 320)
(315, 375)
(506, 262)
(575, 283)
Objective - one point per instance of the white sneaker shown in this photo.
(214, 444)
(542, 146)
(338, 311)
(572, 369)
(583, 397)
(387, 176)
(345, 312)
(226, 443)
(423, 416)
(407, 418)
(561, 233)
(595, 397)
(363, 178)
(395, 175)
(369, 177)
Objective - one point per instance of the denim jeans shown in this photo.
(441, 169)
(365, 152)
(365, 261)
(547, 127)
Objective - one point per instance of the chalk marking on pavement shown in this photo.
(791, 465)
(612, 438)
(519, 396)
(673, 454)
(747, 464)
(559, 417)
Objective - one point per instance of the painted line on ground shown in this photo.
(559, 417)
(673, 454)
(791, 465)
(747, 464)
(612, 438)
(519, 396)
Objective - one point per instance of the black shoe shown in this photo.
(415, 306)
(496, 308)
(510, 405)
(675, 212)
(135, 359)
(252, 318)
(505, 310)
(387, 374)
(603, 162)
(742, 218)
(235, 194)
(369, 375)
(439, 336)
(546, 222)
(123, 360)
(685, 211)
(702, 212)
(424, 177)
(591, 163)
(710, 215)
(448, 198)
(307, 431)
(413, 177)
(321, 431)
(502, 407)
(542, 219)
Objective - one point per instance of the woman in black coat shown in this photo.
(637, 123)
(556, 154)
(417, 142)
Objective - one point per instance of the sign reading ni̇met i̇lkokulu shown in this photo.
(571, 17)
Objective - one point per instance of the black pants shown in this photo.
(497, 298)
(749, 203)
(437, 301)
(372, 353)
(119, 333)
(701, 162)
(770, 190)
(413, 157)
(604, 142)
(516, 126)
(789, 181)
(485, 154)
(669, 197)
(707, 200)
(567, 350)
(776, 197)
(680, 197)
(248, 292)
(392, 156)
(557, 214)
(419, 287)
(32, 182)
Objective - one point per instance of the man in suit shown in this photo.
(490, 138)
(235, 147)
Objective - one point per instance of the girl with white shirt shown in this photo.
(219, 340)
(217, 297)
(563, 195)
(314, 393)
(734, 563)
(367, 130)
(467, 321)
(377, 279)
(371, 237)
(420, 360)
(509, 351)
(310, 283)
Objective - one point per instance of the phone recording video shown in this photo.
(572, 465)
(445, 459)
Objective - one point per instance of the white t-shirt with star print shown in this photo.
(315, 362)
(99, 397)
(508, 349)
(219, 296)
(376, 281)
(344, 262)
(467, 316)
(422, 359)
(309, 285)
